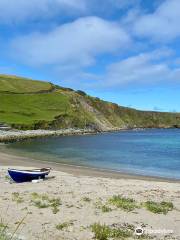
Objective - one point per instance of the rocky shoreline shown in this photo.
(19, 135)
(15, 135)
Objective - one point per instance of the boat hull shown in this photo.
(26, 176)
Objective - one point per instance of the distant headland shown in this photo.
(32, 105)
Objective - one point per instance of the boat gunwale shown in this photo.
(35, 171)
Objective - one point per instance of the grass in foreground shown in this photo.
(103, 207)
(6, 235)
(44, 201)
(159, 207)
(105, 232)
(126, 204)
(3, 232)
(17, 198)
(116, 232)
(64, 225)
(86, 199)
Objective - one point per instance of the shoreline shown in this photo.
(14, 135)
(7, 159)
(20, 135)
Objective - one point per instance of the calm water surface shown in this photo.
(145, 152)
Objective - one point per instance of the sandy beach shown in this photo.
(73, 201)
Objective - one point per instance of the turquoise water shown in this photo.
(145, 152)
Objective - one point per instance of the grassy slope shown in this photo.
(28, 104)
(15, 84)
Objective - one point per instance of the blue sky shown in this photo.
(125, 51)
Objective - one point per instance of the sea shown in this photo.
(150, 152)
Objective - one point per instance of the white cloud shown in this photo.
(12, 11)
(77, 42)
(163, 24)
(131, 16)
(15, 11)
(144, 69)
(136, 69)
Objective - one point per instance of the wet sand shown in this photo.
(12, 160)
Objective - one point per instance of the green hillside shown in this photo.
(13, 84)
(28, 104)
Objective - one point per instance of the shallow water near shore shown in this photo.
(144, 152)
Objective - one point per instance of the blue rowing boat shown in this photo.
(20, 176)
